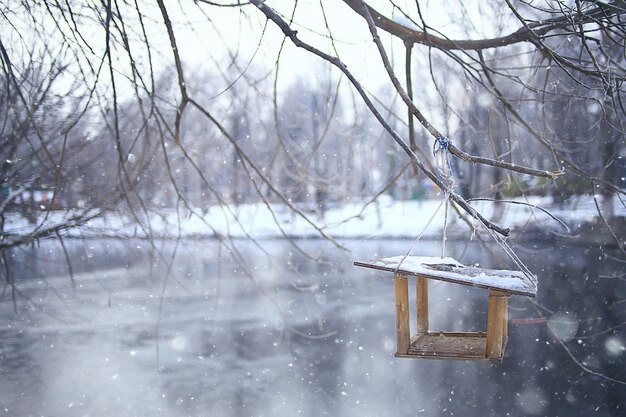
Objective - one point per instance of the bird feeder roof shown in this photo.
(451, 270)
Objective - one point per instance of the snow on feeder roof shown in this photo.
(451, 270)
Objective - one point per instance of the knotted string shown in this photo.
(443, 169)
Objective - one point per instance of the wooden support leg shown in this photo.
(496, 318)
(422, 305)
(402, 313)
(505, 318)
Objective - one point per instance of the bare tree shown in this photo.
(110, 51)
(143, 107)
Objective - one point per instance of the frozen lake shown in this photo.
(286, 334)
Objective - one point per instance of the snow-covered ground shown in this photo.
(382, 218)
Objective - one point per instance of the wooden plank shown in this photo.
(415, 337)
(449, 345)
(512, 282)
(505, 318)
(421, 296)
(495, 323)
(438, 344)
(402, 313)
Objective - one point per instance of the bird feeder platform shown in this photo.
(426, 344)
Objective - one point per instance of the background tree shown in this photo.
(537, 92)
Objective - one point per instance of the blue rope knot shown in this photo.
(441, 143)
(443, 169)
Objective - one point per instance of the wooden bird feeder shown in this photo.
(479, 346)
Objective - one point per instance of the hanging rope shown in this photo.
(445, 226)
(443, 169)
(417, 239)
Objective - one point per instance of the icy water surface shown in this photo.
(285, 335)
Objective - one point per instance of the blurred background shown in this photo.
(185, 187)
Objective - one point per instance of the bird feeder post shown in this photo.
(402, 313)
(505, 316)
(497, 323)
(421, 297)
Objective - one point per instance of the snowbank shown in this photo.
(384, 218)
